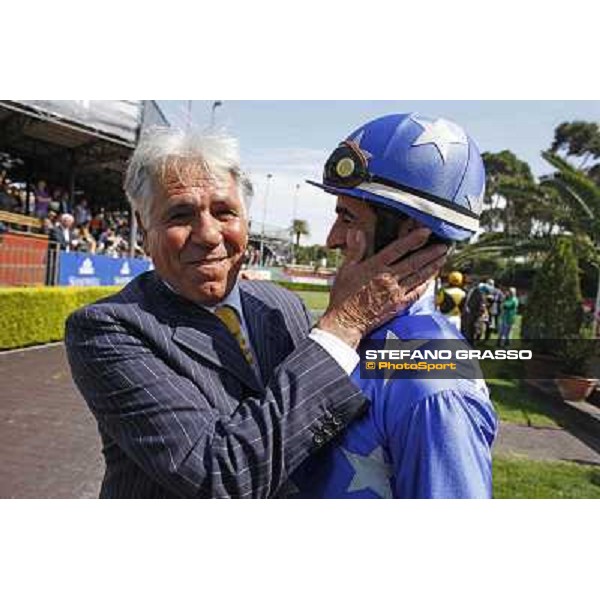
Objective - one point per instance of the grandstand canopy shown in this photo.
(77, 144)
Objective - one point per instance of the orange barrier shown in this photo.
(23, 258)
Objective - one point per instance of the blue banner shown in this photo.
(90, 269)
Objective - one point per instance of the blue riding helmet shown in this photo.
(426, 168)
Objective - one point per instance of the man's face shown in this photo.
(352, 214)
(197, 233)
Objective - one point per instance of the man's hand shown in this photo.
(368, 293)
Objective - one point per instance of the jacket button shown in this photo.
(328, 431)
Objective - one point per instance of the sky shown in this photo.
(291, 140)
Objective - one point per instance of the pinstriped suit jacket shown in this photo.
(180, 412)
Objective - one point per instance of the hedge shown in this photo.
(297, 286)
(37, 315)
(30, 316)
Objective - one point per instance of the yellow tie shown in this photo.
(230, 319)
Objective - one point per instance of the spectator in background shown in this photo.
(7, 199)
(30, 204)
(106, 241)
(474, 313)
(65, 202)
(83, 240)
(15, 192)
(98, 224)
(22, 202)
(4, 182)
(55, 203)
(63, 233)
(494, 300)
(60, 201)
(42, 199)
(49, 223)
(82, 212)
(510, 306)
(450, 299)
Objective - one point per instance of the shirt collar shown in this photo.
(233, 299)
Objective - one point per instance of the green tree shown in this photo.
(577, 138)
(554, 310)
(513, 203)
(313, 254)
(299, 228)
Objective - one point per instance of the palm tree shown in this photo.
(299, 228)
(579, 191)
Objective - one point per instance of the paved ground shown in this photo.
(543, 443)
(49, 446)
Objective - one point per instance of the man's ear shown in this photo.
(142, 230)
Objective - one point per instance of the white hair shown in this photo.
(67, 218)
(159, 147)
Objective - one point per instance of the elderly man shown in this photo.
(422, 437)
(206, 386)
(63, 233)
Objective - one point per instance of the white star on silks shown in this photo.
(370, 472)
(441, 134)
(357, 139)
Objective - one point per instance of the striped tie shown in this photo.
(230, 319)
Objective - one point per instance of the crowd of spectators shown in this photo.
(76, 226)
(106, 232)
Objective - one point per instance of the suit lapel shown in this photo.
(214, 342)
(200, 332)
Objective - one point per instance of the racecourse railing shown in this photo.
(11, 218)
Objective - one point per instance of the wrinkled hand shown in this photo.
(368, 293)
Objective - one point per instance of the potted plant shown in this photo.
(575, 354)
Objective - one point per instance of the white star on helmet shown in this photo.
(441, 134)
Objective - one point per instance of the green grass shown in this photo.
(523, 478)
(515, 403)
(315, 300)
